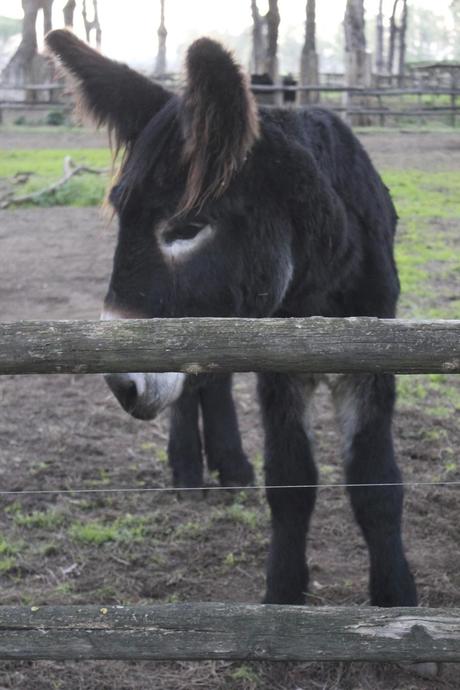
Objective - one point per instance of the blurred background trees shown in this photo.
(397, 33)
(26, 65)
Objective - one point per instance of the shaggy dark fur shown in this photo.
(302, 226)
(219, 121)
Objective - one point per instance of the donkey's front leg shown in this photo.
(222, 439)
(364, 406)
(184, 447)
(288, 462)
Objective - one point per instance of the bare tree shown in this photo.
(160, 65)
(357, 60)
(455, 11)
(397, 44)
(259, 48)
(309, 59)
(402, 43)
(26, 66)
(68, 10)
(379, 41)
(93, 24)
(273, 21)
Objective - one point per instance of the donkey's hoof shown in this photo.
(239, 473)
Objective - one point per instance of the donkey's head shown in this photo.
(199, 198)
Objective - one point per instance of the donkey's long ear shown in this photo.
(219, 120)
(110, 92)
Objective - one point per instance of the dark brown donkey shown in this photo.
(227, 210)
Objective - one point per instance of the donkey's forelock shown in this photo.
(156, 151)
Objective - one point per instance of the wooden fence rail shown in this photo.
(223, 345)
(230, 631)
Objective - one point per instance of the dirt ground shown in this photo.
(67, 432)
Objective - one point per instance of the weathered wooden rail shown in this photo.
(219, 345)
(230, 631)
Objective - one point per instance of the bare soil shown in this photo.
(67, 432)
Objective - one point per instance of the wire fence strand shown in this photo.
(207, 488)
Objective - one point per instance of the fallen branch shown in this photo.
(70, 170)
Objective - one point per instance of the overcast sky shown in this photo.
(130, 34)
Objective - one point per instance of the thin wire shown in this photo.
(171, 489)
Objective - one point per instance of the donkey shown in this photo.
(226, 210)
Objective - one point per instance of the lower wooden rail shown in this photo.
(230, 631)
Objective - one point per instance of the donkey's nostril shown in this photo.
(124, 389)
(129, 396)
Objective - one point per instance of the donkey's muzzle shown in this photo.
(144, 396)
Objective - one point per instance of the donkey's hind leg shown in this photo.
(222, 440)
(364, 405)
(184, 447)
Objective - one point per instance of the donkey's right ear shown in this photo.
(110, 92)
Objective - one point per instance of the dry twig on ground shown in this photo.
(70, 170)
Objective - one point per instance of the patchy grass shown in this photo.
(47, 519)
(428, 258)
(6, 548)
(8, 551)
(245, 516)
(129, 528)
(47, 167)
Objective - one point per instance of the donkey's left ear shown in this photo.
(220, 120)
(110, 92)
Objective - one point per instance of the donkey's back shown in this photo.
(347, 222)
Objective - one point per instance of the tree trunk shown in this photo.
(273, 21)
(379, 41)
(258, 40)
(455, 12)
(26, 66)
(402, 44)
(93, 24)
(47, 12)
(68, 11)
(160, 65)
(309, 60)
(392, 42)
(397, 50)
(97, 25)
(357, 60)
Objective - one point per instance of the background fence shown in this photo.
(380, 106)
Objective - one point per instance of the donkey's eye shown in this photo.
(183, 232)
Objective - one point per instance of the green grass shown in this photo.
(48, 519)
(428, 259)
(47, 165)
(129, 528)
(6, 548)
(427, 246)
(8, 552)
